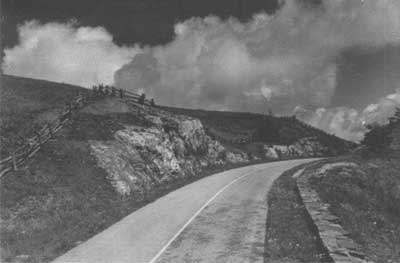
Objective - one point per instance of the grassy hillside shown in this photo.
(26, 104)
(262, 129)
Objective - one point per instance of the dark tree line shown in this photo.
(378, 137)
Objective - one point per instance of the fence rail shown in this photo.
(33, 144)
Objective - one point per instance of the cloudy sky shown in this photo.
(333, 63)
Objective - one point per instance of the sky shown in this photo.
(334, 64)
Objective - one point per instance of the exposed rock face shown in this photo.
(174, 147)
(305, 147)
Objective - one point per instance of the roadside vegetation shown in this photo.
(366, 197)
(367, 201)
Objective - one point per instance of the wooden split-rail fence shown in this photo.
(33, 144)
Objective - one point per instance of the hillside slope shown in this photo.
(252, 131)
(114, 157)
(26, 104)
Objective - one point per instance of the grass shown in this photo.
(62, 198)
(290, 234)
(27, 104)
(367, 201)
(263, 128)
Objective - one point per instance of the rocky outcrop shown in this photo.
(173, 147)
(305, 147)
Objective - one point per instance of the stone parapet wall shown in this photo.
(335, 239)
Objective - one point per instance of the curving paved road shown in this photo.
(220, 218)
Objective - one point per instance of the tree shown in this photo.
(377, 137)
(142, 99)
(395, 118)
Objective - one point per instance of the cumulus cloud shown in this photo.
(287, 59)
(349, 123)
(282, 60)
(66, 53)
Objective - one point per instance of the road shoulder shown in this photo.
(290, 236)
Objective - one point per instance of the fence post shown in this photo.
(70, 109)
(80, 100)
(84, 99)
(50, 130)
(14, 161)
(39, 138)
(94, 92)
(121, 93)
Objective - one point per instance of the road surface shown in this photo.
(220, 218)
